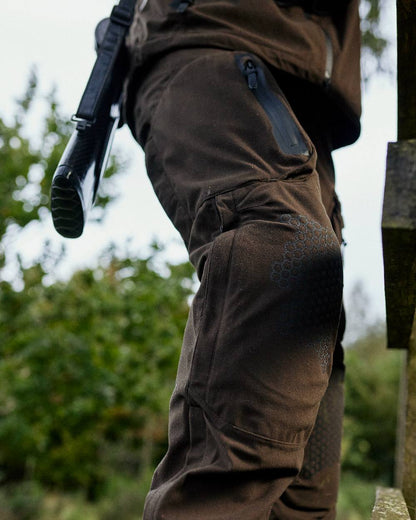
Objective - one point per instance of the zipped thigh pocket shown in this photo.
(287, 131)
(209, 133)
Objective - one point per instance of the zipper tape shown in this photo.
(285, 129)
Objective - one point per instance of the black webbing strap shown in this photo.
(322, 7)
(107, 55)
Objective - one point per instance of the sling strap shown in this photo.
(109, 52)
(321, 7)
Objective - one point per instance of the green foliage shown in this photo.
(20, 196)
(371, 31)
(373, 38)
(86, 365)
(356, 497)
(371, 404)
(21, 502)
(372, 389)
(125, 498)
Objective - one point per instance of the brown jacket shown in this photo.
(321, 51)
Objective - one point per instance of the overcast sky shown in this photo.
(57, 36)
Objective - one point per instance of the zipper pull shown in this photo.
(250, 72)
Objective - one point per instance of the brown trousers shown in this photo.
(255, 416)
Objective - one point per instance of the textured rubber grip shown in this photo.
(66, 205)
(75, 181)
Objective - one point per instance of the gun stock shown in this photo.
(77, 177)
(76, 180)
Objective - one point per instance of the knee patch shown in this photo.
(270, 303)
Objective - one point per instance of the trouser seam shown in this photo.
(202, 317)
(231, 189)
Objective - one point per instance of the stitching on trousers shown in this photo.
(214, 348)
(223, 425)
(196, 347)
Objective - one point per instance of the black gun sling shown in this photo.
(320, 7)
(77, 177)
(108, 52)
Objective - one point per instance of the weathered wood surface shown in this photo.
(408, 481)
(399, 252)
(406, 69)
(400, 194)
(399, 241)
(390, 505)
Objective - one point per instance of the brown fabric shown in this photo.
(313, 494)
(260, 340)
(286, 38)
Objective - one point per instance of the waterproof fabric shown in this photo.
(256, 413)
(320, 50)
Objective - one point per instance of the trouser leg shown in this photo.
(313, 494)
(259, 342)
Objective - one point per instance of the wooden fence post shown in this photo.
(399, 241)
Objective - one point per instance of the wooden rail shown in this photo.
(390, 505)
